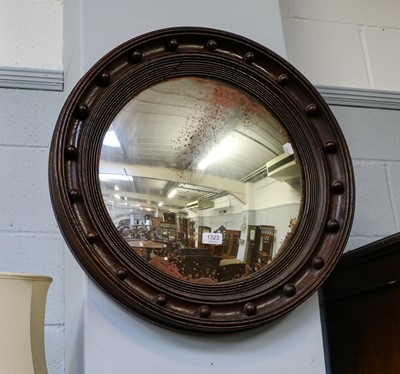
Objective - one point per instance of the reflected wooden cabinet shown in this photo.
(260, 244)
(230, 243)
(252, 244)
(166, 230)
(183, 231)
(200, 231)
(267, 235)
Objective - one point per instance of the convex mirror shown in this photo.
(201, 181)
(211, 156)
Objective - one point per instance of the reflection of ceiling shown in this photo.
(168, 129)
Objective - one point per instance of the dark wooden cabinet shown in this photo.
(267, 236)
(200, 231)
(183, 230)
(360, 309)
(252, 244)
(260, 243)
(166, 230)
(230, 243)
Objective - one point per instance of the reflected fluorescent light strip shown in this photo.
(160, 203)
(222, 150)
(172, 193)
(111, 139)
(117, 177)
(288, 149)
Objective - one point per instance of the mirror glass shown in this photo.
(201, 180)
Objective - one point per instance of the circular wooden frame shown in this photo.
(327, 205)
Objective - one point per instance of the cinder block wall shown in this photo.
(30, 241)
(373, 136)
(356, 44)
(344, 43)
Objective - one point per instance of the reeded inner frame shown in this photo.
(328, 189)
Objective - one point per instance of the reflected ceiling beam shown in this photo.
(109, 193)
(236, 188)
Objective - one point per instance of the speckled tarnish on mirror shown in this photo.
(188, 128)
(165, 134)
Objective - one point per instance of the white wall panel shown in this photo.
(361, 12)
(344, 43)
(107, 24)
(31, 33)
(327, 53)
(384, 56)
(118, 342)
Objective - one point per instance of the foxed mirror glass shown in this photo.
(201, 181)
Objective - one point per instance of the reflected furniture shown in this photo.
(230, 243)
(231, 269)
(267, 235)
(200, 231)
(259, 246)
(252, 244)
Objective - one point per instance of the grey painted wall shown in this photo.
(29, 238)
(30, 241)
(373, 137)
